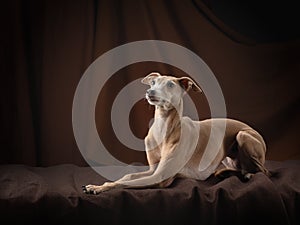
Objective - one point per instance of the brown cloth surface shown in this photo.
(53, 195)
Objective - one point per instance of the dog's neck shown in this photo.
(168, 120)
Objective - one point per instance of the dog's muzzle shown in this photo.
(151, 96)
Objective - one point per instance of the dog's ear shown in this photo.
(187, 83)
(150, 77)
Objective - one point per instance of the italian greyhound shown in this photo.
(177, 146)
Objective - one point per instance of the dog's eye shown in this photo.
(170, 84)
(153, 82)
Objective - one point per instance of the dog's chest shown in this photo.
(159, 131)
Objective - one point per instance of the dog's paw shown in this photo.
(248, 176)
(96, 189)
(93, 189)
(90, 189)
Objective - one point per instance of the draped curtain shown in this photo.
(47, 46)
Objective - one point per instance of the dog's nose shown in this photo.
(150, 92)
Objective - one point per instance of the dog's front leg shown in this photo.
(168, 167)
(95, 189)
(161, 177)
(153, 160)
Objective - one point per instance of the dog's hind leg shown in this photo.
(227, 168)
(251, 153)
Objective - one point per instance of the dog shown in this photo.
(177, 146)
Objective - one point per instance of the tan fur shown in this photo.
(177, 146)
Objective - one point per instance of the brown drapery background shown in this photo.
(47, 46)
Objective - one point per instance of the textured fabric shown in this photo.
(53, 195)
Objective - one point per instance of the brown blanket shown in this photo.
(34, 195)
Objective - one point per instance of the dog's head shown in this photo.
(167, 91)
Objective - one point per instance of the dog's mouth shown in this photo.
(157, 101)
(152, 98)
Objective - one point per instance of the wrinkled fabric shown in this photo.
(53, 195)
